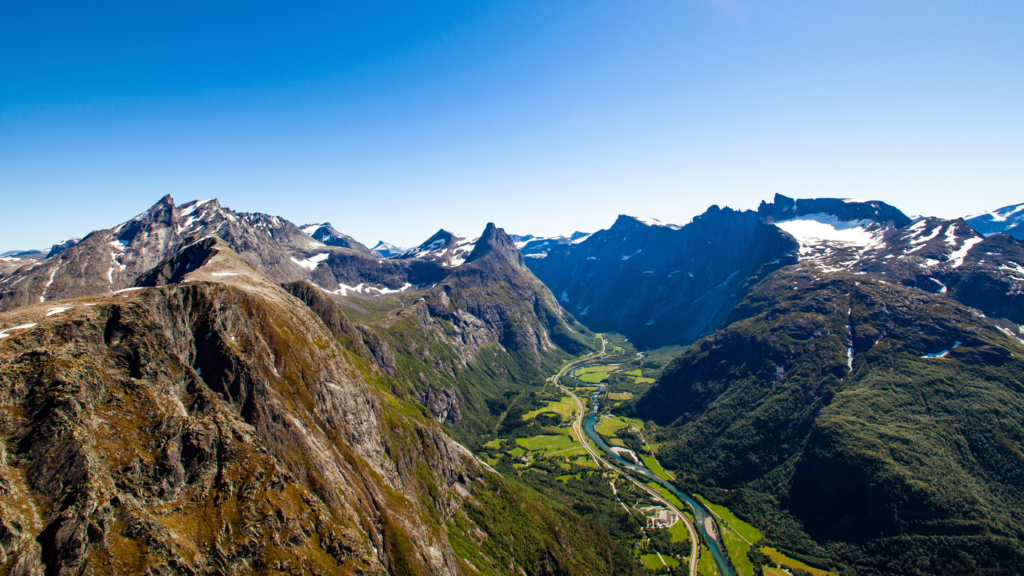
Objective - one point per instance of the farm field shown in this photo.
(742, 528)
(651, 463)
(737, 535)
(548, 443)
(652, 562)
(594, 374)
(564, 408)
(638, 377)
(679, 532)
(737, 550)
(607, 427)
(706, 565)
(668, 496)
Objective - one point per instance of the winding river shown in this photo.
(700, 513)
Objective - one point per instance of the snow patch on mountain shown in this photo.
(313, 261)
(5, 332)
(812, 230)
(957, 258)
(655, 222)
(943, 353)
(449, 254)
(1005, 220)
(361, 288)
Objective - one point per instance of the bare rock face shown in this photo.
(327, 235)
(106, 261)
(494, 298)
(214, 424)
(659, 283)
(444, 404)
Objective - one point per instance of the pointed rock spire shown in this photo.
(495, 242)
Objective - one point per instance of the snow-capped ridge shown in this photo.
(1007, 220)
(647, 221)
(448, 249)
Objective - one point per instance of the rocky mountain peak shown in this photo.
(845, 209)
(327, 235)
(444, 248)
(439, 240)
(386, 250)
(494, 242)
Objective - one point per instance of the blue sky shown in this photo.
(394, 119)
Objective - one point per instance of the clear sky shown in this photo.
(394, 119)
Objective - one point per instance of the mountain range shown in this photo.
(1006, 220)
(199, 390)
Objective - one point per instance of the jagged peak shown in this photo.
(163, 205)
(188, 208)
(167, 200)
(495, 241)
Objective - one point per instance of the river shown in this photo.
(700, 512)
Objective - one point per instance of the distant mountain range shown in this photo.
(1008, 220)
(198, 390)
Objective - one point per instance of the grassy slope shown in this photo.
(926, 452)
(525, 529)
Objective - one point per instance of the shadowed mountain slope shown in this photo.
(857, 420)
(208, 421)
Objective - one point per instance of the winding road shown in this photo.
(577, 426)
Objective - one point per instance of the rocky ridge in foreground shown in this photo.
(208, 421)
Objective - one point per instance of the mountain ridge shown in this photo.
(210, 420)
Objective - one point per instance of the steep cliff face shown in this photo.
(488, 325)
(210, 421)
(660, 283)
(213, 425)
(785, 208)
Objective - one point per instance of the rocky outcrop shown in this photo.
(210, 425)
(445, 404)
(493, 297)
(785, 208)
(106, 261)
